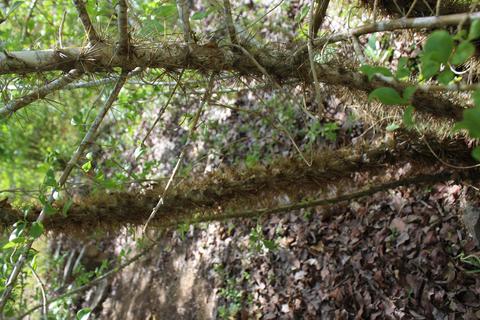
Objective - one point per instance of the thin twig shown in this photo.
(60, 30)
(414, 3)
(184, 15)
(123, 37)
(437, 9)
(87, 140)
(311, 57)
(40, 93)
(92, 35)
(162, 110)
(193, 127)
(229, 21)
(375, 8)
(44, 295)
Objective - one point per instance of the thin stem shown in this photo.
(184, 15)
(229, 21)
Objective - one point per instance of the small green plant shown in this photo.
(471, 260)
(257, 242)
(233, 298)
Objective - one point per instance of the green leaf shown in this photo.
(166, 10)
(67, 206)
(463, 52)
(408, 117)
(386, 96)
(439, 45)
(371, 71)
(476, 153)
(429, 66)
(48, 209)
(402, 70)
(470, 122)
(36, 230)
(476, 97)
(10, 244)
(83, 314)
(87, 166)
(409, 92)
(200, 15)
(474, 32)
(49, 180)
(303, 13)
(445, 76)
(392, 127)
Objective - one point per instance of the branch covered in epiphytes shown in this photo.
(47, 206)
(39, 93)
(280, 65)
(123, 36)
(90, 31)
(227, 191)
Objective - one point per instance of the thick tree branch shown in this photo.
(251, 189)
(281, 65)
(92, 35)
(39, 93)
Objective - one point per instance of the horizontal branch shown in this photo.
(281, 65)
(227, 192)
(39, 93)
(401, 24)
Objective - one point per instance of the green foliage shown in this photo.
(83, 314)
(258, 242)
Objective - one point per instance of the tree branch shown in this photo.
(319, 17)
(229, 21)
(123, 36)
(401, 24)
(184, 15)
(92, 35)
(40, 93)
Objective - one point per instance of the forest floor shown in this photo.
(401, 254)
